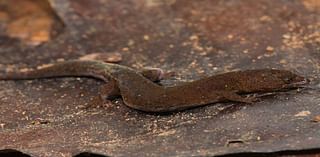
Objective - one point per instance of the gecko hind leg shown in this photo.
(156, 74)
(153, 74)
(108, 92)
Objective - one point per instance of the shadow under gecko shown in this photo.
(139, 92)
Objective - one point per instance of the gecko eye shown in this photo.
(287, 79)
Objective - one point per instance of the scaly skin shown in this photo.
(140, 93)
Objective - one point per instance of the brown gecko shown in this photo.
(139, 92)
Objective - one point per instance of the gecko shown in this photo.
(139, 91)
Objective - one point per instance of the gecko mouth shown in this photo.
(297, 82)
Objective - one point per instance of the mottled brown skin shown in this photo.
(140, 93)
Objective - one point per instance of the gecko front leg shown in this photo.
(233, 96)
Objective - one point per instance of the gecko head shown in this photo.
(269, 80)
(288, 79)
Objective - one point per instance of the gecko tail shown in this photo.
(64, 69)
(36, 74)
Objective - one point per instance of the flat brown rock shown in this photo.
(192, 38)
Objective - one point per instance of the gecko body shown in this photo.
(141, 93)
